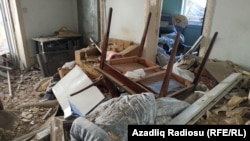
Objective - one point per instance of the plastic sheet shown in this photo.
(114, 115)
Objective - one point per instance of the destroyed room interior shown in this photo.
(86, 70)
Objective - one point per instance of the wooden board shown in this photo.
(61, 129)
(125, 64)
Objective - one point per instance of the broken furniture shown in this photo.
(53, 51)
(111, 75)
(79, 104)
(156, 80)
(87, 57)
(103, 80)
(124, 47)
(115, 70)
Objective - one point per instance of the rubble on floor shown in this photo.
(27, 111)
(233, 108)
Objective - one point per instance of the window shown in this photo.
(4, 48)
(7, 39)
(194, 10)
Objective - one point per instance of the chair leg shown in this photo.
(106, 40)
(204, 60)
(167, 77)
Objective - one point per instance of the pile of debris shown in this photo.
(24, 111)
(27, 111)
(33, 106)
(233, 106)
(44, 108)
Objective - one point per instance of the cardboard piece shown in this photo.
(83, 102)
(219, 70)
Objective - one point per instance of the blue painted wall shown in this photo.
(171, 6)
(191, 32)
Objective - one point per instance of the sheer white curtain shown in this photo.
(7, 31)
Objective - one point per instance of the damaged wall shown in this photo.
(230, 20)
(44, 17)
(128, 22)
(123, 24)
(88, 20)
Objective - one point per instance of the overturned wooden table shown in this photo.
(161, 82)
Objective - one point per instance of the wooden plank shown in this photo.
(150, 76)
(124, 60)
(200, 106)
(60, 130)
(5, 67)
(153, 67)
(121, 80)
(31, 134)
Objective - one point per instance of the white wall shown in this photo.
(129, 19)
(44, 17)
(231, 20)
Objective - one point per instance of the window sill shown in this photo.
(194, 23)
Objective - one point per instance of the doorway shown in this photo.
(185, 16)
